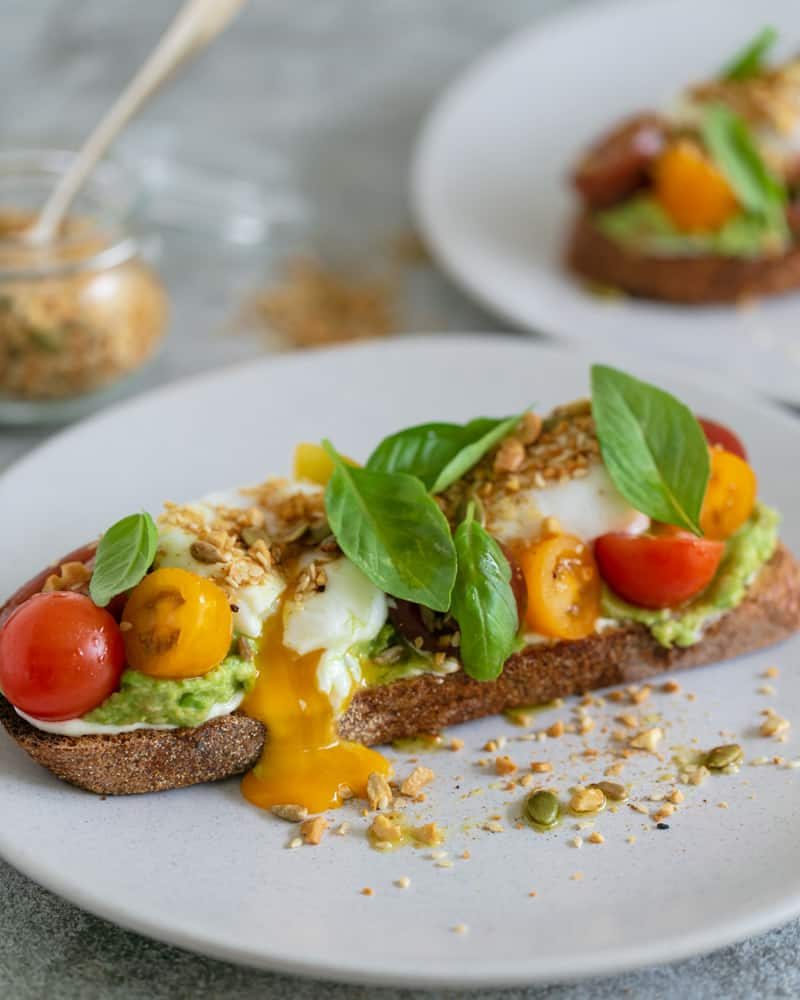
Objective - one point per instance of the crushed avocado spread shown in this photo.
(186, 702)
(641, 224)
(745, 554)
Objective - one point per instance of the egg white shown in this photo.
(586, 507)
(350, 610)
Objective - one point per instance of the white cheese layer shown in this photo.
(78, 727)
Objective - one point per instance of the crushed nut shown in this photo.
(384, 831)
(70, 576)
(291, 813)
(429, 834)
(774, 725)
(311, 830)
(403, 883)
(541, 766)
(670, 687)
(596, 838)
(556, 730)
(416, 781)
(587, 800)
(379, 794)
(510, 455)
(504, 765)
(648, 739)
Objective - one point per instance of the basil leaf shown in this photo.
(440, 453)
(125, 553)
(728, 140)
(483, 602)
(421, 451)
(653, 447)
(749, 61)
(393, 530)
(486, 434)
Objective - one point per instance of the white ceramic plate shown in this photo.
(490, 189)
(203, 869)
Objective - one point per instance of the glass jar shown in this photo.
(81, 314)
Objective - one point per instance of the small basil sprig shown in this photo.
(653, 447)
(393, 530)
(125, 553)
(439, 454)
(728, 139)
(749, 61)
(483, 602)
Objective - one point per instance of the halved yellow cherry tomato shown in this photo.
(692, 190)
(563, 587)
(730, 495)
(311, 462)
(176, 624)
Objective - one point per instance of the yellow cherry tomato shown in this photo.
(563, 587)
(730, 495)
(311, 462)
(692, 190)
(176, 624)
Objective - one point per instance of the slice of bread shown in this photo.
(695, 280)
(150, 760)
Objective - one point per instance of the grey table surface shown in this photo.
(293, 134)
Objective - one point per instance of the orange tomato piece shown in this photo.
(312, 462)
(693, 192)
(730, 495)
(563, 587)
(176, 624)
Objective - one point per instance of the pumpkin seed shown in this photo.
(542, 809)
(721, 757)
(611, 789)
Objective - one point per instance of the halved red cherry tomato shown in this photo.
(657, 571)
(60, 656)
(563, 587)
(719, 434)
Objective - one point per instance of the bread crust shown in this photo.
(693, 280)
(154, 760)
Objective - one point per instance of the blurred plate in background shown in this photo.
(490, 190)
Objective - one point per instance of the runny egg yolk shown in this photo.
(303, 762)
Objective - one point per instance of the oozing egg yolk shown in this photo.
(303, 762)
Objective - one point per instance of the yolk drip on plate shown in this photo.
(304, 762)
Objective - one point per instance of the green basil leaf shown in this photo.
(485, 434)
(749, 61)
(728, 139)
(125, 553)
(483, 602)
(393, 530)
(440, 453)
(653, 447)
(421, 451)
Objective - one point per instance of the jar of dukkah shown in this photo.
(81, 313)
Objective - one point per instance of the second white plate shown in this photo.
(490, 178)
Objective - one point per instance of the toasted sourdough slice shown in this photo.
(155, 760)
(694, 280)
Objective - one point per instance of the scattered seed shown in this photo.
(403, 883)
(723, 756)
(611, 789)
(542, 809)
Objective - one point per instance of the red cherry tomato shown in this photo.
(60, 656)
(657, 571)
(718, 434)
